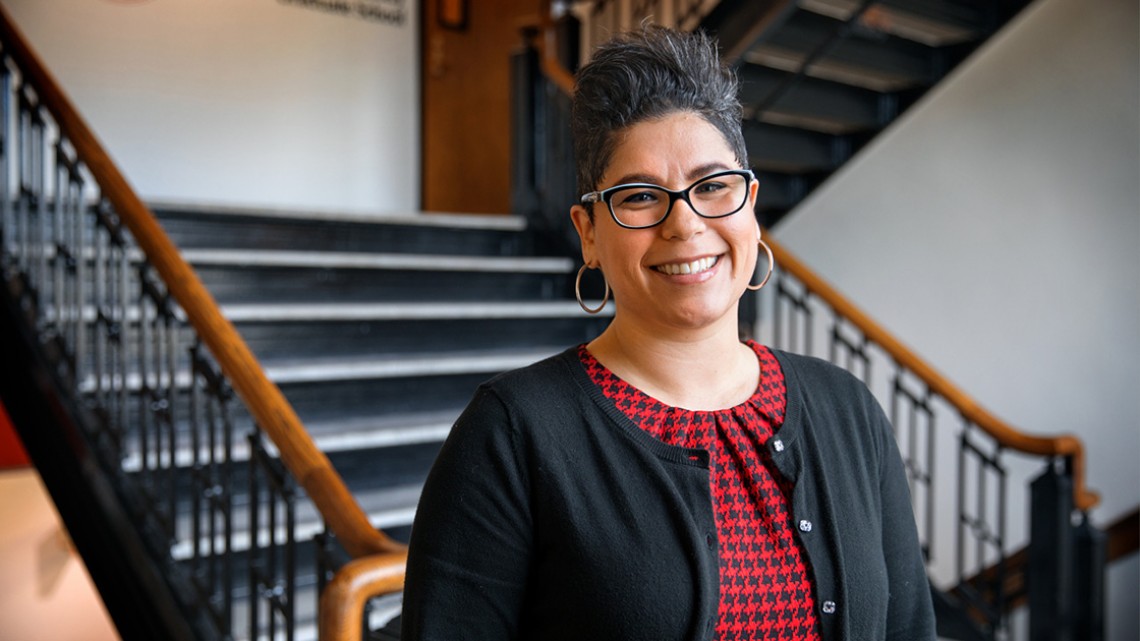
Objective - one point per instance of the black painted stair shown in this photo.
(378, 332)
(821, 78)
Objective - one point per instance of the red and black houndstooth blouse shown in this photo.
(765, 582)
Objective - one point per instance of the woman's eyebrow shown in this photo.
(638, 178)
(695, 174)
(708, 168)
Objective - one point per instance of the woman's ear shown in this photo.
(753, 191)
(585, 226)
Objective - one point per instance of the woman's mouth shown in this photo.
(693, 267)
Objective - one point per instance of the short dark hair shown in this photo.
(644, 75)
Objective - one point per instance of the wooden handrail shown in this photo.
(309, 466)
(542, 34)
(1065, 445)
(342, 603)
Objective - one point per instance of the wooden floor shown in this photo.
(45, 591)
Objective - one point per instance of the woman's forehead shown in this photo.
(681, 146)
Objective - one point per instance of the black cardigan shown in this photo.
(549, 515)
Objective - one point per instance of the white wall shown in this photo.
(996, 230)
(255, 102)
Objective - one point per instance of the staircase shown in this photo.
(378, 332)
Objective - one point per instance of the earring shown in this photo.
(771, 263)
(578, 293)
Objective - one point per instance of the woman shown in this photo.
(665, 480)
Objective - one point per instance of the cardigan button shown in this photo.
(805, 525)
(778, 445)
(711, 540)
(829, 607)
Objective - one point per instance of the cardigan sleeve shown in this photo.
(471, 539)
(910, 612)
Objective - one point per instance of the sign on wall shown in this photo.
(393, 12)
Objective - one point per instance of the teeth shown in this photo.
(695, 267)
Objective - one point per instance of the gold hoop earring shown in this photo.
(771, 264)
(578, 293)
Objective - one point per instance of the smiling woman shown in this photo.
(666, 480)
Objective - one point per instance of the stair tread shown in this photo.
(287, 371)
(388, 507)
(342, 434)
(503, 222)
(785, 59)
(366, 260)
(906, 22)
(404, 311)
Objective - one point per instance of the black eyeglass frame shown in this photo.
(606, 196)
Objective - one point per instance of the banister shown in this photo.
(342, 602)
(310, 467)
(539, 32)
(1065, 445)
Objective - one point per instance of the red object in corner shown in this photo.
(12, 452)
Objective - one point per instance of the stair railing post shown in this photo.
(525, 72)
(1091, 559)
(1052, 557)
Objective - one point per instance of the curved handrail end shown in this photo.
(342, 603)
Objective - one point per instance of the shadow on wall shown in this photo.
(41, 574)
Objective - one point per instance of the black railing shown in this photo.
(542, 170)
(211, 505)
(968, 547)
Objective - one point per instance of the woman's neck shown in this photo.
(701, 369)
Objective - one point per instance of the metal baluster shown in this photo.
(145, 395)
(961, 545)
(171, 420)
(227, 479)
(197, 485)
(7, 216)
(254, 548)
(121, 322)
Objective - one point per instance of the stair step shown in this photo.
(791, 150)
(883, 64)
(413, 311)
(340, 369)
(235, 276)
(331, 437)
(387, 508)
(194, 227)
(361, 260)
(813, 104)
(934, 23)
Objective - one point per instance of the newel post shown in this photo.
(1065, 577)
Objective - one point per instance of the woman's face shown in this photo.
(687, 272)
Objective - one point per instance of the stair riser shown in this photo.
(364, 470)
(355, 339)
(197, 230)
(298, 285)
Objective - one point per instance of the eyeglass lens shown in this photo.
(715, 196)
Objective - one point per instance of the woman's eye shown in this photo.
(637, 199)
(709, 187)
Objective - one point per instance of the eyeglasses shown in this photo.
(642, 205)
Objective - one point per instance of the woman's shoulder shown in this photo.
(833, 396)
(815, 373)
(541, 388)
(539, 377)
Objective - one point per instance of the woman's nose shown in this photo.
(682, 221)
